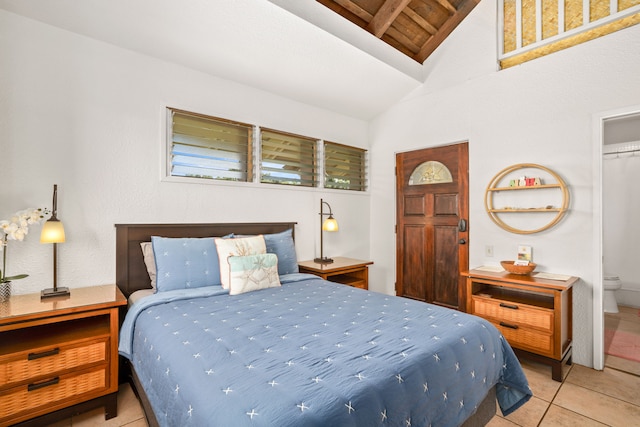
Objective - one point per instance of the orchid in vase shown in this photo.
(16, 228)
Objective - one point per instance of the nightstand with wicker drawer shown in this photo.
(59, 356)
(534, 314)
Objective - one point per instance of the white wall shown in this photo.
(89, 117)
(538, 112)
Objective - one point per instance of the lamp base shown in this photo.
(324, 260)
(57, 292)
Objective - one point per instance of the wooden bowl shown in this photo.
(518, 269)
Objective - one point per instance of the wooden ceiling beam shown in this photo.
(432, 44)
(415, 29)
(385, 16)
(446, 5)
(418, 19)
(408, 44)
(351, 7)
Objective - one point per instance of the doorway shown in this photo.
(620, 207)
(602, 145)
(432, 230)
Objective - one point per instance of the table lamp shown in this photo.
(53, 232)
(329, 224)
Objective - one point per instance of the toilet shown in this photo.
(611, 284)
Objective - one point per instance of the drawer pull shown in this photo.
(508, 325)
(36, 386)
(34, 356)
(511, 306)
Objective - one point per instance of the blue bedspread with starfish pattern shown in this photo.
(315, 353)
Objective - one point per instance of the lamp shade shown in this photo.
(52, 232)
(330, 224)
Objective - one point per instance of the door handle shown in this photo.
(462, 225)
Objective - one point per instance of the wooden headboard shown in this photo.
(131, 273)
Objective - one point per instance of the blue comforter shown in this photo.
(314, 353)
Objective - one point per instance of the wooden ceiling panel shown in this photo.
(414, 27)
(433, 12)
(410, 29)
(400, 42)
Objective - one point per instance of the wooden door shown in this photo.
(432, 230)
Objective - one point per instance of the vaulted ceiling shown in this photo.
(414, 27)
(356, 57)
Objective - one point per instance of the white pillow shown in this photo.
(243, 246)
(252, 272)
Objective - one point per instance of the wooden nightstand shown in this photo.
(348, 271)
(59, 356)
(534, 314)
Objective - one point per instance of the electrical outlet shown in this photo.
(488, 251)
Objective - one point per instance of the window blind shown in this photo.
(209, 147)
(287, 159)
(344, 167)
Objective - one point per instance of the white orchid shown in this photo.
(16, 228)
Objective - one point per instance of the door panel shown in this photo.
(432, 198)
(445, 204)
(445, 280)
(415, 242)
(414, 205)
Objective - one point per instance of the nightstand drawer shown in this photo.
(526, 339)
(48, 392)
(519, 314)
(347, 271)
(48, 361)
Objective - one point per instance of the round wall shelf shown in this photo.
(512, 174)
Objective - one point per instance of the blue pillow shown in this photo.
(185, 263)
(283, 246)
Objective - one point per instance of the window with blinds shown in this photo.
(217, 149)
(208, 147)
(344, 167)
(287, 159)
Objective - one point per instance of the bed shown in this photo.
(304, 352)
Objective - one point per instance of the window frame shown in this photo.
(311, 175)
(343, 160)
(225, 125)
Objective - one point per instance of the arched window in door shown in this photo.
(430, 172)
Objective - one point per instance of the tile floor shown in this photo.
(627, 320)
(585, 398)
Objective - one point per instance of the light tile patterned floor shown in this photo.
(585, 398)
